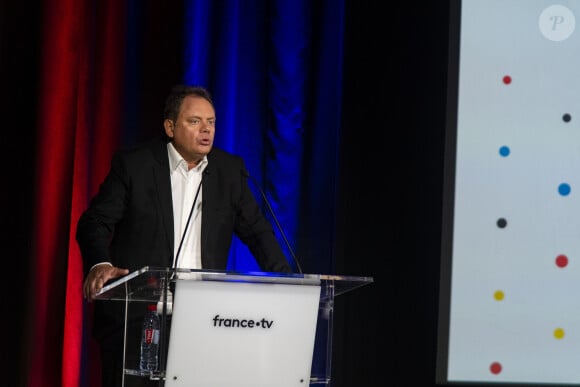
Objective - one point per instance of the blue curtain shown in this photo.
(274, 68)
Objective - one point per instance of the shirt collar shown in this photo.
(175, 160)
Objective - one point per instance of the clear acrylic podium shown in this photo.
(233, 329)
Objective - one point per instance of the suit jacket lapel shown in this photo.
(210, 192)
(163, 182)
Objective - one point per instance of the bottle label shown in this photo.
(151, 336)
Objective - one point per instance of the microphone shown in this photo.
(167, 297)
(176, 259)
(247, 175)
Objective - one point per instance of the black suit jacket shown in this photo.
(130, 221)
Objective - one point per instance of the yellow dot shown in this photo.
(558, 333)
(498, 295)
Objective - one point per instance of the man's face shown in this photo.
(194, 130)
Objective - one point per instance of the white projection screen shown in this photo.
(510, 274)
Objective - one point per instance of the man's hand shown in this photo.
(98, 276)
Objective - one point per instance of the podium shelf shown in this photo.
(147, 283)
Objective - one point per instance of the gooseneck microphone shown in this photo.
(176, 259)
(247, 175)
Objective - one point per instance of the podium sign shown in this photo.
(222, 329)
(224, 333)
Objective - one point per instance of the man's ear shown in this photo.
(168, 125)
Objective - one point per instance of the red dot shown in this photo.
(561, 260)
(495, 368)
(507, 79)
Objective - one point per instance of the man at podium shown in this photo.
(175, 201)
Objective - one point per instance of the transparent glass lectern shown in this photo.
(233, 329)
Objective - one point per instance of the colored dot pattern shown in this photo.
(561, 261)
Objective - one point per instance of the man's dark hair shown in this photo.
(178, 93)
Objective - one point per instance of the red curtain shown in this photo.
(79, 128)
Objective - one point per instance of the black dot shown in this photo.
(567, 117)
(501, 223)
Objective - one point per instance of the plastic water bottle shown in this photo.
(150, 340)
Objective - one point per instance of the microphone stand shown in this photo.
(246, 174)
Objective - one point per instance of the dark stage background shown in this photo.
(389, 210)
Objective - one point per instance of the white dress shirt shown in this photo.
(184, 185)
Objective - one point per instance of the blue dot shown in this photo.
(564, 189)
(504, 151)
